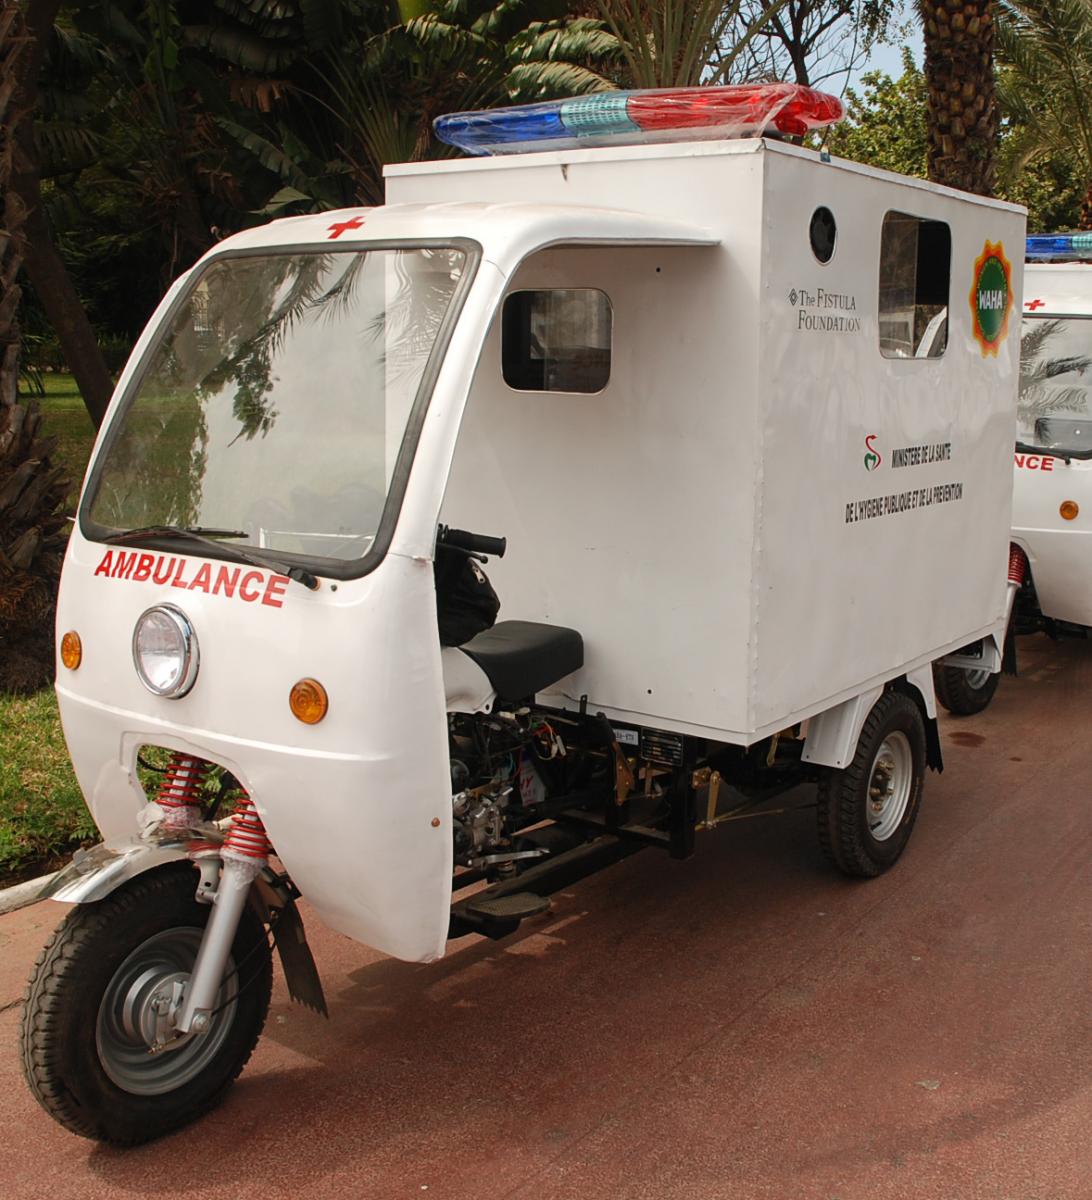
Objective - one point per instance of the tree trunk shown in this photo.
(31, 488)
(55, 291)
(1086, 210)
(962, 107)
(22, 183)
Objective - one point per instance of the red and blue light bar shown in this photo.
(1056, 247)
(648, 115)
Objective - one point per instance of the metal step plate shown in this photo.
(516, 905)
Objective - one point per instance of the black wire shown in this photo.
(269, 943)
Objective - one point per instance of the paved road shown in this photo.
(744, 1025)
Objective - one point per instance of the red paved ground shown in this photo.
(744, 1025)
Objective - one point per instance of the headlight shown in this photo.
(165, 651)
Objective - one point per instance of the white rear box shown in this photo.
(708, 521)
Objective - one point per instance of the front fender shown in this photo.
(96, 872)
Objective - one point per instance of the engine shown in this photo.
(504, 767)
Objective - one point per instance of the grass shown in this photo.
(42, 814)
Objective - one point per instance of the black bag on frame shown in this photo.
(466, 603)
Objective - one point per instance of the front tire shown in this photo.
(964, 692)
(90, 1009)
(867, 810)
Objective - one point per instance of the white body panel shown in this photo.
(1059, 552)
(710, 565)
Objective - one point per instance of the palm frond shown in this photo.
(252, 53)
(1045, 87)
(551, 80)
(270, 156)
(64, 148)
(682, 43)
(571, 41)
(446, 41)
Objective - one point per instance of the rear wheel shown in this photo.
(95, 1010)
(867, 810)
(964, 692)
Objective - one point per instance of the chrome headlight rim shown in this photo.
(191, 655)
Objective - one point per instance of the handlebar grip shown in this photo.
(474, 543)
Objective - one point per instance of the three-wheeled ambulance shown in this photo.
(1052, 490)
(737, 417)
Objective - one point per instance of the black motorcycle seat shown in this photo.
(521, 658)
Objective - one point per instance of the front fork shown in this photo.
(228, 901)
(227, 873)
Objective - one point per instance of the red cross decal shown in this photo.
(1034, 304)
(339, 227)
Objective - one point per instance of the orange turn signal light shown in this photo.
(308, 701)
(1069, 509)
(71, 650)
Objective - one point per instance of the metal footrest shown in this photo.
(514, 906)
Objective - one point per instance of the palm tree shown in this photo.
(31, 488)
(30, 227)
(962, 104)
(1046, 86)
(683, 43)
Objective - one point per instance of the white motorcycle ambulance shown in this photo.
(744, 416)
(1052, 491)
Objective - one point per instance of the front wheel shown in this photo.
(92, 1039)
(867, 810)
(964, 692)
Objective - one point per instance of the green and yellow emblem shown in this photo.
(991, 298)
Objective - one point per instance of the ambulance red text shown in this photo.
(230, 581)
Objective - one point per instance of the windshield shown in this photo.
(1054, 409)
(275, 404)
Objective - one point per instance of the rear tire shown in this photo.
(867, 810)
(87, 1001)
(964, 692)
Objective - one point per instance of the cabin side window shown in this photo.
(915, 277)
(557, 340)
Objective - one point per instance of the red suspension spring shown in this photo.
(247, 837)
(1018, 564)
(180, 788)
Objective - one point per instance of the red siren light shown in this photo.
(641, 117)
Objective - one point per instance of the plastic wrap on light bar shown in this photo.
(629, 118)
(1046, 247)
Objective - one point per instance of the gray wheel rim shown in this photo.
(889, 786)
(976, 680)
(126, 1016)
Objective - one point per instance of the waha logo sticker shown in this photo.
(991, 298)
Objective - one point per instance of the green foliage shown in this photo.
(885, 127)
(1051, 188)
(1045, 89)
(165, 126)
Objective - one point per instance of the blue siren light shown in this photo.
(1054, 247)
(650, 115)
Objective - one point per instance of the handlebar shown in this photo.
(472, 543)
